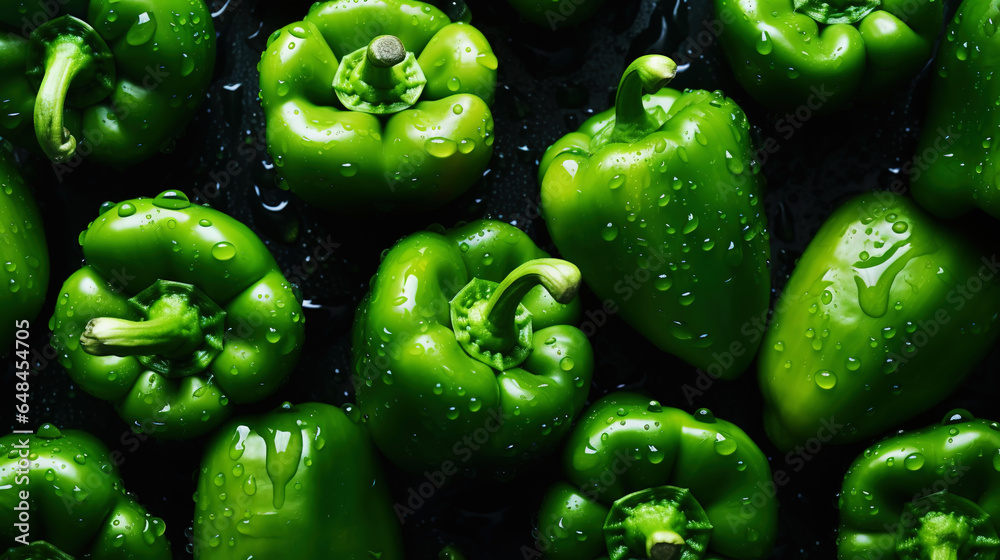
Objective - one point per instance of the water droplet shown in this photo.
(724, 445)
(734, 165)
(610, 232)
(899, 227)
(764, 45)
(223, 251)
(663, 282)
(142, 30)
(566, 363)
(826, 379)
(126, 209)
(914, 461)
(957, 416)
(691, 225)
(616, 182)
(440, 147)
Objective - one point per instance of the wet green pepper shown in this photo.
(23, 253)
(658, 202)
(63, 498)
(465, 351)
(406, 124)
(885, 313)
(110, 80)
(180, 314)
(648, 481)
(816, 56)
(303, 477)
(955, 168)
(928, 494)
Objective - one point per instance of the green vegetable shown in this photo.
(303, 478)
(655, 482)
(658, 202)
(928, 494)
(884, 315)
(111, 80)
(556, 14)
(406, 124)
(816, 56)
(63, 494)
(464, 350)
(955, 167)
(24, 255)
(179, 314)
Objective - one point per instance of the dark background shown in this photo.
(548, 84)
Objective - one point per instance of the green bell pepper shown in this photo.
(24, 254)
(556, 14)
(406, 124)
(818, 55)
(623, 452)
(179, 314)
(303, 478)
(929, 494)
(63, 498)
(452, 366)
(658, 202)
(884, 315)
(955, 168)
(111, 80)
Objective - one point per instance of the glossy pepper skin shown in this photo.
(23, 253)
(113, 81)
(625, 444)
(931, 493)
(556, 14)
(513, 386)
(885, 313)
(407, 125)
(180, 314)
(957, 156)
(821, 55)
(658, 202)
(303, 476)
(77, 501)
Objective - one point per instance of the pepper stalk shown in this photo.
(488, 319)
(662, 523)
(178, 330)
(646, 74)
(70, 64)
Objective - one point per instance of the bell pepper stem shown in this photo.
(173, 330)
(664, 545)
(64, 60)
(647, 74)
(560, 278)
(489, 322)
(384, 53)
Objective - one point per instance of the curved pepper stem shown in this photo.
(69, 63)
(947, 527)
(663, 523)
(65, 62)
(381, 79)
(179, 331)
(172, 330)
(488, 319)
(646, 74)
